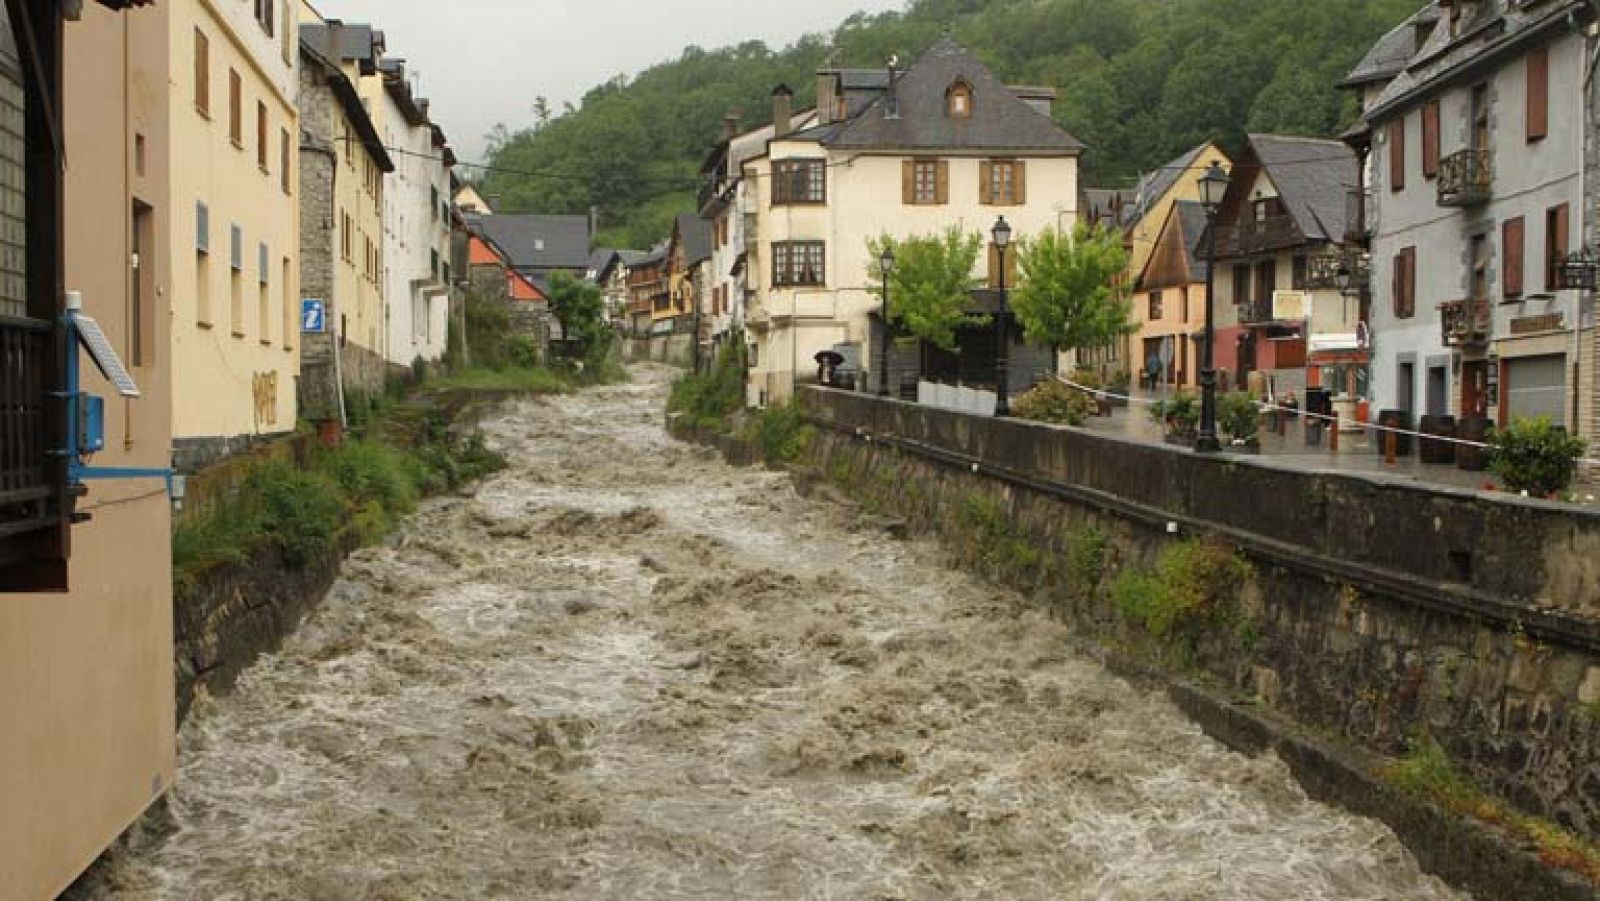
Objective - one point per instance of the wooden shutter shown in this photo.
(943, 184)
(985, 183)
(1410, 254)
(1512, 237)
(1399, 284)
(908, 182)
(202, 72)
(1538, 93)
(1397, 154)
(1430, 139)
(1019, 172)
(235, 107)
(1555, 243)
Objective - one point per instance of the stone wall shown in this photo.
(673, 350)
(1378, 608)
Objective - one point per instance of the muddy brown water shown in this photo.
(625, 670)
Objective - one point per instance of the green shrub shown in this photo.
(220, 537)
(1086, 558)
(1051, 401)
(373, 471)
(782, 432)
(710, 399)
(1535, 456)
(1238, 416)
(522, 351)
(1181, 412)
(301, 511)
(1194, 582)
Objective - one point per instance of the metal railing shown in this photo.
(1258, 235)
(1464, 322)
(1253, 312)
(25, 433)
(1466, 178)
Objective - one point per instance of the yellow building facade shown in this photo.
(235, 231)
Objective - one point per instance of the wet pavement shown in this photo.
(625, 670)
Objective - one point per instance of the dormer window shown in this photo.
(959, 100)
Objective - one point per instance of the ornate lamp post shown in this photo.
(1001, 234)
(1213, 186)
(886, 267)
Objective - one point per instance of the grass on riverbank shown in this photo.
(1427, 772)
(358, 492)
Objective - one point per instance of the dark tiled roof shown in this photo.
(1389, 56)
(1155, 185)
(999, 119)
(1104, 206)
(695, 235)
(1313, 177)
(539, 242)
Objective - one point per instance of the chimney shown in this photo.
(334, 49)
(782, 121)
(827, 97)
(891, 97)
(730, 126)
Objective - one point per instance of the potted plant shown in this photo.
(1239, 418)
(1179, 416)
(1535, 457)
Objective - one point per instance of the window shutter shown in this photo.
(202, 72)
(1538, 93)
(1430, 139)
(1397, 154)
(1411, 281)
(943, 187)
(1397, 285)
(985, 182)
(1555, 244)
(202, 228)
(908, 182)
(1019, 170)
(1512, 241)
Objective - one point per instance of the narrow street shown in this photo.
(625, 670)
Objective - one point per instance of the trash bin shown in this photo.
(1319, 405)
(1476, 429)
(1393, 419)
(1433, 451)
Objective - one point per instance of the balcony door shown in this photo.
(1480, 117)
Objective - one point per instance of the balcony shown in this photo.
(26, 495)
(1256, 312)
(713, 194)
(1465, 322)
(1358, 217)
(1258, 236)
(1466, 178)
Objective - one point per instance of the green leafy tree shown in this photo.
(930, 289)
(1069, 295)
(580, 308)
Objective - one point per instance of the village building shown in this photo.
(688, 284)
(893, 154)
(647, 291)
(538, 246)
(608, 270)
(343, 165)
(1169, 301)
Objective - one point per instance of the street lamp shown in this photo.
(885, 266)
(1001, 234)
(1213, 187)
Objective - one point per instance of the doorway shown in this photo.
(1406, 388)
(1438, 397)
(1474, 389)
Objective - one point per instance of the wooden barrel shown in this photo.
(1433, 451)
(1473, 428)
(1393, 419)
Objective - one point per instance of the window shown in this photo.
(960, 100)
(202, 73)
(261, 136)
(202, 247)
(798, 263)
(236, 282)
(264, 15)
(1297, 276)
(1513, 239)
(1241, 284)
(1266, 281)
(1397, 154)
(1155, 306)
(1555, 244)
(925, 182)
(346, 245)
(1538, 94)
(284, 165)
(1405, 283)
(263, 301)
(434, 204)
(1480, 267)
(799, 181)
(1184, 299)
(1002, 182)
(235, 109)
(1430, 139)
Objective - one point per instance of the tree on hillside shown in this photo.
(1069, 295)
(930, 289)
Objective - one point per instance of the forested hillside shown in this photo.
(1139, 81)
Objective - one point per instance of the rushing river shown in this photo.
(624, 670)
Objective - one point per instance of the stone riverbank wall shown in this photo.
(1378, 609)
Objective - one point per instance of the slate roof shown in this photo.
(1313, 177)
(1104, 206)
(1388, 57)
(999, 119)
(1191, 222)
(313, 44)
(535, 242)
(695, 235)
(1155, 185)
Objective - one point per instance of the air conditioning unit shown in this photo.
(1291, 305)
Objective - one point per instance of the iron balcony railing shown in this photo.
(1255, 312)
(26, 495)
(1466, 178)
(1257, 236)
(1465, 322)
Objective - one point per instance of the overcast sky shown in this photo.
(484, 61)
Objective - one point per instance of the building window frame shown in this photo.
(799, 264)
(799, 182)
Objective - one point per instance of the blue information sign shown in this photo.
(313, 316)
